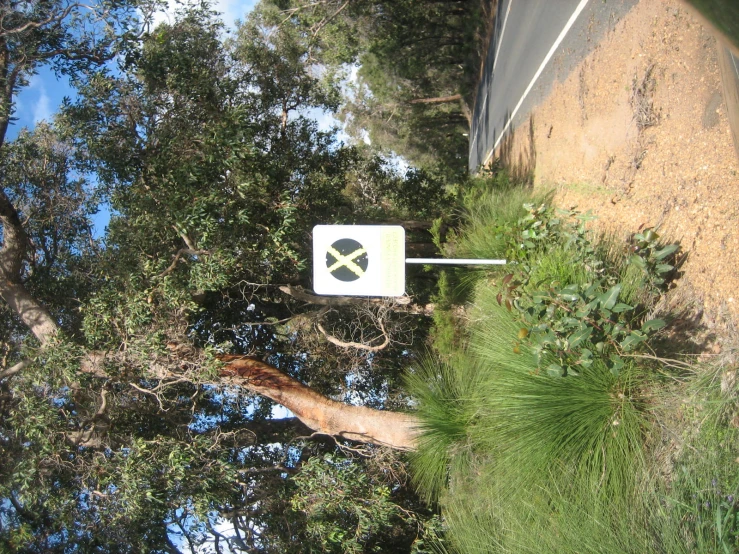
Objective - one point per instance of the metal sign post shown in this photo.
(453, 261)
(366, 260)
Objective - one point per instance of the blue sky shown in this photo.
(41, 99)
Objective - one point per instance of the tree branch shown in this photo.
(178, 255)
(325, 20)
(321, 414)
(12, 254)
(15, 239)
(17, 368)
(358, 345)
(55, 17)
(300, 294)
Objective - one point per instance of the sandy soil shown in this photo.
(639, 135)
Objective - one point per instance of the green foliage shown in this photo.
(489, 218)
(546, 414)
(508, 449)
(533, 421)
(349, 511)
(44, 178)
(443, 395)
(406, 51)
(698, 509)
(568, 294)
(215, 177)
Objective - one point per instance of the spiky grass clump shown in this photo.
(521, 459)
(513, 453)
(443, 392)
(499, 208)
(510, 451)
(594, 422)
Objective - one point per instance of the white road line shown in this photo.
(502, 32)
(495, 62)
(560, 38)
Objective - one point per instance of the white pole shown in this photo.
(446, 261)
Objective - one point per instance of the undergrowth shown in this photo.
(540, 425)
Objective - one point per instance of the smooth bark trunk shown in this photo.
(438, 99)
(34, 315)
(323, 415)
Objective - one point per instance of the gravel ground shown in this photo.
(639, 134)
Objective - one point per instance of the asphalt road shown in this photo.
(534, 44)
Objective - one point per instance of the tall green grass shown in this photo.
(593, 423)
(560, 517)
(488, 211)
(521, 461)
(697, 508)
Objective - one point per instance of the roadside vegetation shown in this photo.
(559, 413)
(141, 371)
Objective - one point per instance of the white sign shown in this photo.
(359, 260)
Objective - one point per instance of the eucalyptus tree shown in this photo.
(135, 369)
(418, 64)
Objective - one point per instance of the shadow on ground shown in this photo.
(520, 163)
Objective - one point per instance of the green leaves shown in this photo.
(652, 325)
(345, 508)
(608, 300)
(666, 251)
(651, 257)
(569, 298)
(632, 340)
(580, 336)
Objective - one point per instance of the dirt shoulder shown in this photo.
(639, 134)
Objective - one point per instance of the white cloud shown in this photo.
(40, 103)
(230, 11)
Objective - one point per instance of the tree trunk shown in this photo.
(323, 415)
(14, 250)
(437, 99)
(34, 315)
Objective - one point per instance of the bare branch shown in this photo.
(357, 345)
(300, 294)
(17, 368)
(57, 17)
(178, 255)
(325, 20)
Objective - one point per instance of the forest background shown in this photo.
(141, 367)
